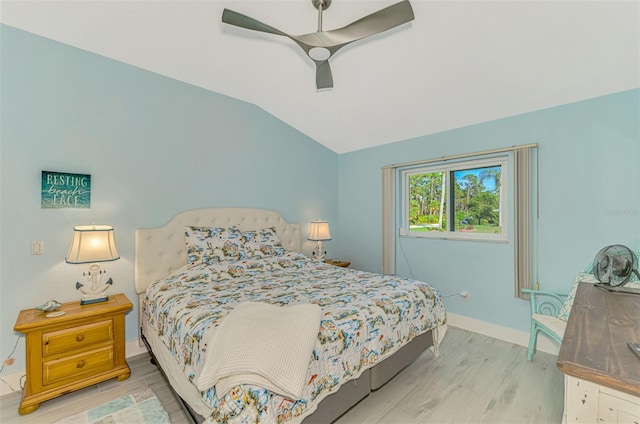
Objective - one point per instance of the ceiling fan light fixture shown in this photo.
(319, 53)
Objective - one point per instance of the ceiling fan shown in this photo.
(321, 45)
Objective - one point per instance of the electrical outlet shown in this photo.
(37, 247)
(464, 294)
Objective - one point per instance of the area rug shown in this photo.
(137, 408)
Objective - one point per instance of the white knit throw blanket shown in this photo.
(264, 345)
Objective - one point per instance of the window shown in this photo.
(519, 201)
(461, 200)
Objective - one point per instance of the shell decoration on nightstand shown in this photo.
(49, 305)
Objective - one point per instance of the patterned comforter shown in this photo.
(366, 317)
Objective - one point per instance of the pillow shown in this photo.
(261, 243)
(211, 244)
(582, 277)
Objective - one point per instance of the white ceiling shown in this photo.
(457, 63)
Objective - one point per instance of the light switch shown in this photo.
(37, 247)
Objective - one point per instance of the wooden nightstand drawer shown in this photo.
(77, 338)
(76, 367)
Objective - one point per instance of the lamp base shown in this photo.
(88, 300)
(96, 292)
(320, 252)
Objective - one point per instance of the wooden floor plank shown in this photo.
(476, 379)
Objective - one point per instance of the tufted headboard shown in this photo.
(160, 251)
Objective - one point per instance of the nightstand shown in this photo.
(84, 346)
(338, 262)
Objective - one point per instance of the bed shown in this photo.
(371, 326)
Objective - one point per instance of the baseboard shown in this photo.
(134, 348)
(12, 382)
(499, 332)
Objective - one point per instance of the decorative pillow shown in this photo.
(211, 244)
(261, 243)
(582, 277)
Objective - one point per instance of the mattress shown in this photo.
(365, 318)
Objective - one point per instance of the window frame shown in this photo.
(449, 168)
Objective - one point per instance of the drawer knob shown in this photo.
(79, 337)
(80, 364)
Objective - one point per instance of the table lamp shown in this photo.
(92, 244)
(319, 231)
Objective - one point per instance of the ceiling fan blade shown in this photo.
(375, 23)
(243, 21)
(324, 78)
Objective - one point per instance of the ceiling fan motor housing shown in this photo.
(325, 4)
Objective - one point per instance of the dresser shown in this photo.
(602, 375)
(83, 346)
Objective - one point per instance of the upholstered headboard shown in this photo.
(162, 250)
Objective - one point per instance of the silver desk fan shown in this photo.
(614, 266)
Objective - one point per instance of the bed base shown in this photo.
(349, 394)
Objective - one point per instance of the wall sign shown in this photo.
(63, 190)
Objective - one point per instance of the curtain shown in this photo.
(388, 220)
(524, 224)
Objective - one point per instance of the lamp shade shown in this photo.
(319, 230)
(92, 243)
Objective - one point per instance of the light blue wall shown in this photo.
(589, 159)
(153, 146)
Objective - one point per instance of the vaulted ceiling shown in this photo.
(458, 63)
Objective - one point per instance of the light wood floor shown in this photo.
(476, 379)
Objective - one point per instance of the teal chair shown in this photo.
(549, 314)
